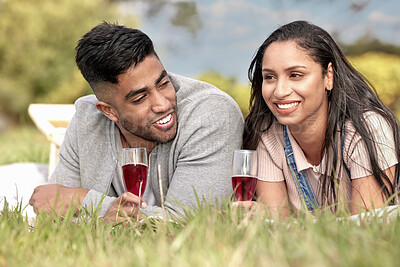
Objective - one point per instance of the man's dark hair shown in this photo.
(109, 50)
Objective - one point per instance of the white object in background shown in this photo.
(17, 182)
(52, 120)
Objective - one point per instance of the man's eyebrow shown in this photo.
(163, 74)
(132, 93)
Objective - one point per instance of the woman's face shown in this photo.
(294, 86)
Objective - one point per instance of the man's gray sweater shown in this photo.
(197, 161)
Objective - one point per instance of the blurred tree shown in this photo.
(383, 71)
(186, 16)
(37, 50)
(185, 13)
(369, 43)
(239, 92)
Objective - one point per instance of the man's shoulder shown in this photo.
(86, 110)
(86, 102)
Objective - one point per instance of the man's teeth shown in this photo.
(165, 120)
(287, 106)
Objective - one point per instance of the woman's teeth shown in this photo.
(165, 120)
(287, 106)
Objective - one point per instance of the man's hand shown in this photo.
(124, 208)
(54, 198)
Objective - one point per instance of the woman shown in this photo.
(323, 137)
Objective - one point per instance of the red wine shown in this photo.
(134, 174)
(244, 187)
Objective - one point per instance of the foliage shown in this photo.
(185, 15)
(368, 43)
(210, 236)
(239, 92)
(383, 71)
(37, 49)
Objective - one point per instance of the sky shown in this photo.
(232, 30)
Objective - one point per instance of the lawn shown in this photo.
(23, 144)
(208, 236)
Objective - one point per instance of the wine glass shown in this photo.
(134, 169)
(244, 174)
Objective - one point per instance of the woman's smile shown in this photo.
(285, 108)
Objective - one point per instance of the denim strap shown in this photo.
(300, 179)
(342, 134)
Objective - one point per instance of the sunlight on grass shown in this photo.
(23, 144)
(209, 236)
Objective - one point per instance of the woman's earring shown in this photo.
(328, 92)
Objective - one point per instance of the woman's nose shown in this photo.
(282, 89)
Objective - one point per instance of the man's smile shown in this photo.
(165, 119)
(165, 122)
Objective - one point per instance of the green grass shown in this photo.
(23, 144)
(208, 237)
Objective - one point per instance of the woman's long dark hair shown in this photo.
(352, 95)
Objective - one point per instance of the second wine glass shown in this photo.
(244, 174)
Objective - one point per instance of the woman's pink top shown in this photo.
(272, 166)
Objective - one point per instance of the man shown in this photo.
(190, 127)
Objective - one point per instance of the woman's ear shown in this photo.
(107, 110)
(329, 77)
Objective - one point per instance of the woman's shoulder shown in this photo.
(377, 136)
(374, 121)
(378, 130)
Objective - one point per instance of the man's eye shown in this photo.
(164, 83)
(139, 99)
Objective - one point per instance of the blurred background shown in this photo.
(210, 40)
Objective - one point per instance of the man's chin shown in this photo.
(156, 135)
(166, 138)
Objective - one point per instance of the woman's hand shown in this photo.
(253, 207)
(246, 204)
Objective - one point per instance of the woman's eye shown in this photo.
(295, 75)
(268, 77)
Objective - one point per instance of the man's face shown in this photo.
(145, 102)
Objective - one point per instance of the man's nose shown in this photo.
(160, 103)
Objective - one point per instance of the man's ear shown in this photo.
(107, 110)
